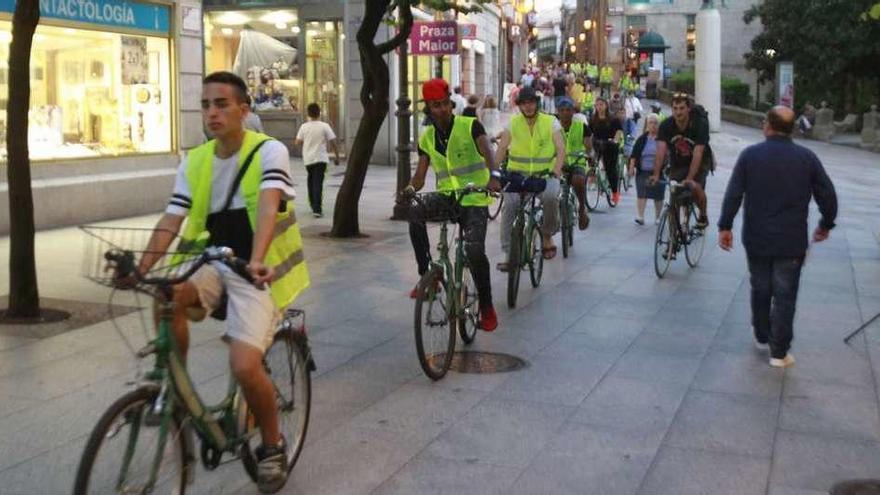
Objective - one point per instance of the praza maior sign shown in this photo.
(434, 38)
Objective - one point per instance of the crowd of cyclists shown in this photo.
(540, 147)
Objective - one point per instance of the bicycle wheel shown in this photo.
(566, 224)
(621, 171)
(593, 190)
(468, 306)
(573, 217)
(495, 209)
(663, 245)
(434, 325)
(536, 263)
(124, 434)
(696, 239)
(514, 263)
(287, 361)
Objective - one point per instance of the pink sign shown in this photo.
(434, 38)
(467, 31)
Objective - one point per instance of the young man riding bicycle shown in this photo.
(458, 150)
(686, 138)
(535, 144)
(235, 191)
(577, 141)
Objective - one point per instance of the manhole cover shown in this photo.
(485, 362)
(856, 487)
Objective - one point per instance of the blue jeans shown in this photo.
(775, 282)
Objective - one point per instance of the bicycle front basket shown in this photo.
(100, 240)
(433, 207)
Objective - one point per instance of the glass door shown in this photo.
(324, 78)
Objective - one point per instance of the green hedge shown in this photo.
(733, 91)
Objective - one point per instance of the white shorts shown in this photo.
(251, 315)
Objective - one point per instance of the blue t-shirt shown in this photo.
(649, 152)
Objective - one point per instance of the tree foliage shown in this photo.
(833, 45)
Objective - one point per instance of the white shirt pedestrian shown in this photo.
(315, 135)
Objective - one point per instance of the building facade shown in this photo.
(109, 108)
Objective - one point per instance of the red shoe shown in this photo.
(488, 319)
(414, 293)
(615, 197)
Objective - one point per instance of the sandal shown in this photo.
(549, 253)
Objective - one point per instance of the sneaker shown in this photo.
(785, 362)
(761, 346)
(271, 467)
(414, 293)
(317, 214)
(615, 197)
(488, 319)
(640, 221)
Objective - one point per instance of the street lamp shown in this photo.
(588, 24)
(571, 40)
(572, 49)
(582, 36)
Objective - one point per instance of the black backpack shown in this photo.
(700, 114)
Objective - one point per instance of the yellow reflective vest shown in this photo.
(531, 152)
(285, 253)
(589, 100)
(462, 165)
(606, 75)
(592, 71)
(574, 141)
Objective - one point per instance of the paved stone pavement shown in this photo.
(635, 385)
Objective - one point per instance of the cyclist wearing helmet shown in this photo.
(535, 143)
(458, 150)
(577, 141)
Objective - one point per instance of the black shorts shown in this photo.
(680, 174)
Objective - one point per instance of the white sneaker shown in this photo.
(762, 346)
(785, 362)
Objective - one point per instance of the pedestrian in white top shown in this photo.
(459, 101)
(252, 121)
(314, 136)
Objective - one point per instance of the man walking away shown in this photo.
(777, 178)
(314, 136)
(459, 103)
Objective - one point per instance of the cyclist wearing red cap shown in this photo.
(536, 146)
(458, 150)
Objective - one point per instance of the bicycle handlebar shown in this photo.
(125, 266)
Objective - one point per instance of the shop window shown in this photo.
(262, 47)
(93, 93)
(691, 36)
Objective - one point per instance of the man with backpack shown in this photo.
(686, 139)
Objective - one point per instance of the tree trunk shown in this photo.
(374, 98)
(24, 297)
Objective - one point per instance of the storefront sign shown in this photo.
(785, 83)
(434, 38)
(467, 31)
(131, 15)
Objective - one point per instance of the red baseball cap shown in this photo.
(435, 90)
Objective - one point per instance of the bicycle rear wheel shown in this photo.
(514, 263)
(468, 306)
(696, 239)
(593, 190)
(495, 209)
(288, 364)
(566, 224)
(663, 245)
(123, 435)
(434, 325)
(536, 261)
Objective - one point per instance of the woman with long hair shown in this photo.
(607, 132)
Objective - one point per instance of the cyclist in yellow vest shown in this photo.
(606, 78)
(535, 144)
(592, 74)
(459, 151)
(577, 141)
(256, 219)
(589, 102)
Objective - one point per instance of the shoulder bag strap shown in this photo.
(240, 175)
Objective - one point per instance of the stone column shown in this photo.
(708, 64)
(871, 129)
(824, 128)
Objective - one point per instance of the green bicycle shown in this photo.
(673, 232)
(446, 296)
(625, 181)
(526, 242)
(568, 209)
(597, 185)
(143, 443)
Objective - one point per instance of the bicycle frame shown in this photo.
(176, 389)
(527, 215)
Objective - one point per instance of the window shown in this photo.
(93, 93)
(637, 22)
(691, 36)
